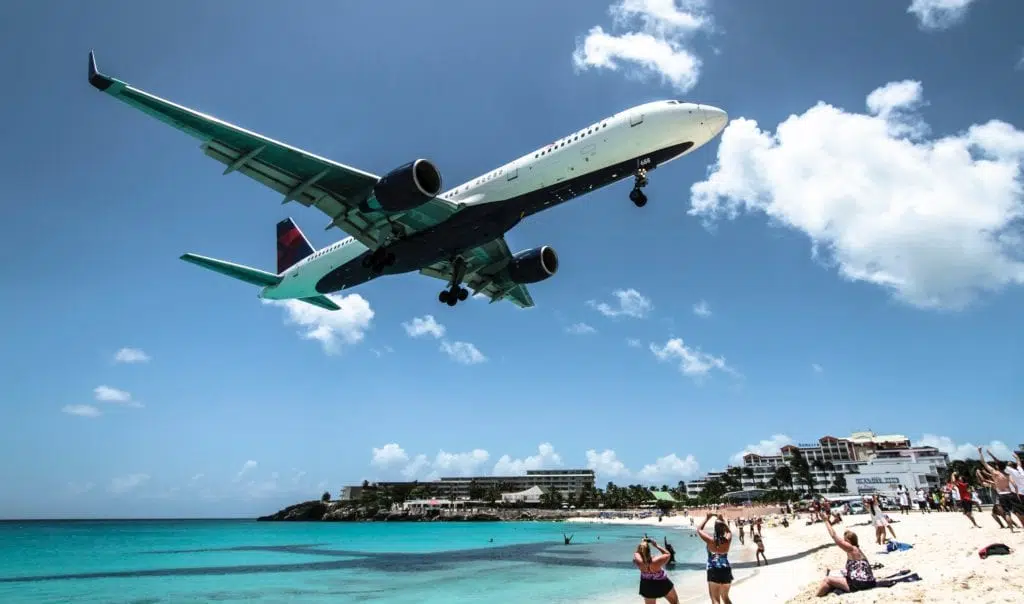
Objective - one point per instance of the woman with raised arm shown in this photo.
(858, 575)
(719, 570)
(654, 583)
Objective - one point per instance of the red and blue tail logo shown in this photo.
(292, 245)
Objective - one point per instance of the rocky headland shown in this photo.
(340, 511)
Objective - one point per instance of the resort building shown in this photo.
(566, 482)
(866, 461)
(530, 496)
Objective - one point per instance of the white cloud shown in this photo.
(423, 326)
(633, 343)
(654, 40)
(332, 328)
(463, 352)
(816, 368)
(77, 488)
(692, 361)
(631, 303)
(197, 477)
(247, 467)
(82, 410)
(389, 455)
(392, 457)
(933, 221)
(131, 355)
(546, 458)
(107, 394)
(771, 446)
(966, 450)
(580, 329)
(670, 468)
(702, 309)
(123, 484)
(939, 14)
(1020, 61)
(606, 464)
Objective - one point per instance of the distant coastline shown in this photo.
(343, 511)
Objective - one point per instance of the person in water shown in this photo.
(654, 583)
(858, 575)
(568, 539)
(671, 552)
(719, 570)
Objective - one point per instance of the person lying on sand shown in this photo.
(858, 575)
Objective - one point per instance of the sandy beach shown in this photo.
(945, 555)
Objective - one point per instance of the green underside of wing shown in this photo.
(237, 271)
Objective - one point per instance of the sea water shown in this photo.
(154, 561)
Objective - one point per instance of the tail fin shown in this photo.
(292, 245)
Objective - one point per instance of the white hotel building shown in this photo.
(868, 462)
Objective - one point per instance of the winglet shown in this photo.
(97, 79)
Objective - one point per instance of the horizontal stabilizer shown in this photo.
(238, 271)
(322, 301)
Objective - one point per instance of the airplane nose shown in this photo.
(714, 118)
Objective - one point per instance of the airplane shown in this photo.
(404, 221)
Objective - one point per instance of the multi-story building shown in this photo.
(885, 470)
(826, 459)
(564, 481)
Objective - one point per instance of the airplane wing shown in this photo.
(333, 188)
(486, 274)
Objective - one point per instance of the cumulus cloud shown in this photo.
(816, 368)
(648, 38)
(80, 488)
(82, 410)
(633, 343)
(692, 361)
(770, 446)
(934, 221)
(939, 14)
(131, 355)
(247, 467)
(702, 309)
(670, 468)
(389, 455)
(629, 303)
(966, 450)
(393, 458)
(331, 328)
(580, 329)
(545, 458)
(463, 352)
(106, 394)
(426, 325)
(124, 484)
(606, 464)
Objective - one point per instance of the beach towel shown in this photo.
(893, 546)
(996, 549)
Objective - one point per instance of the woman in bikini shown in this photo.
(654, 583)
(719, 569)
(858, 575)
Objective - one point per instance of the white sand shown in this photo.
(945, 555)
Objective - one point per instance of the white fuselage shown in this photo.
(625, 135)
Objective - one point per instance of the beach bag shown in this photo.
(892, 546)
(996, 549)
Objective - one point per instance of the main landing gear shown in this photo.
(639, 182)
(455, 292)
(379, 260)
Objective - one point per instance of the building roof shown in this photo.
(534, 490)
(663, 496)
(745, 494)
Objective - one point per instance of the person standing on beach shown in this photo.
(719, 569)
(904, 498)
(879, 519)
(1011, 501)
(963, 494)
(858, 575)
(654, 583)
(922, 500)
(999, 513)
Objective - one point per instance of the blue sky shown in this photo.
(858, 266)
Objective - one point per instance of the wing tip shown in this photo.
(96, 79)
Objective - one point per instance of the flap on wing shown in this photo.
(485, 274)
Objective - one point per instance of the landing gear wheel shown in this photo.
(638, 198)
(443, 296)
(452, 299)
(463, 293)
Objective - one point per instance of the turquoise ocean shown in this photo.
(156, 561)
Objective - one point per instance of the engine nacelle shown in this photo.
(532, 266)
(408, 186)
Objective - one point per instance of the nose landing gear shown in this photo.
(639, 182)
(455, 292)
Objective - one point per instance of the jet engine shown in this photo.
(532, 266)
(408, 186)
